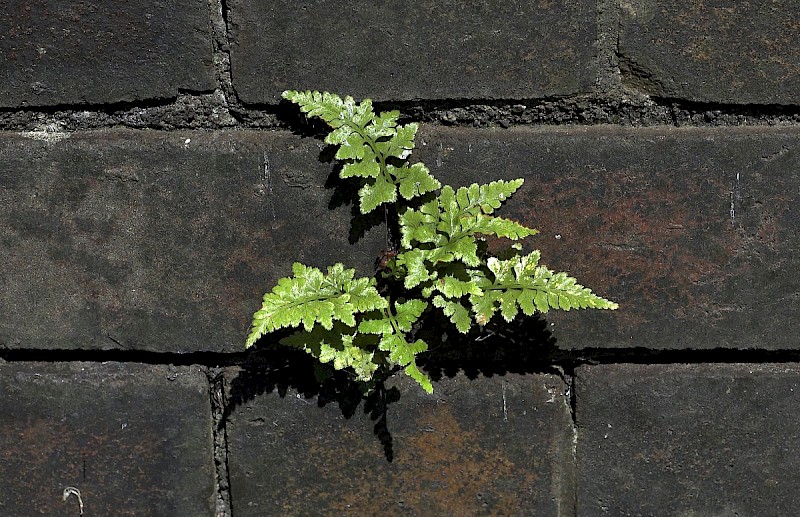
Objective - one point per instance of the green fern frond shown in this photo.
(447, 228)
(455, 214)
(372, 195)
(392, 328)
(310, 297)
(454, 310)
(372, 146)
(501, 227)
(416, 271)
(413, 371)
(520, 282)
(401, 142)
(341, 346)
(415, 180)
(383, 125)
(420, 225)
(331, 108)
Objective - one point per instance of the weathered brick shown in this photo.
(406, 50)
(688, 439)
(57, 52)
(160, 241)
(139, 240)
(500, 446)
(133, 439)
(729, 52)
(693, 231)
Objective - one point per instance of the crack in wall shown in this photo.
(569, 376)
(636, 77)
(216, 381)
(568, 500)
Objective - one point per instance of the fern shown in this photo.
(310, 298)
(441, 260)
(373, 147)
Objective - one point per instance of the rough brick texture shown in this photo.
(496, 446)
(55, 52)
(408, 50)
(160, 241)
(688, 440)
(692, 231)
(152, 246)
(133, 439)
(728, 52)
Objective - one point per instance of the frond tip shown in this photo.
(520, 283)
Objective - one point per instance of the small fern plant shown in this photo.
(368, 326)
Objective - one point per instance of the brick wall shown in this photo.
(153, 187)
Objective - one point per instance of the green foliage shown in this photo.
(364, 326)
(372, 147)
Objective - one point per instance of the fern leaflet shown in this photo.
(311, 297)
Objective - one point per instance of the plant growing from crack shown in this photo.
(440, 262)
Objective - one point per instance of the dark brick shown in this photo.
(693, 231)
(133, 439)
(688, 439)
(163, 242)
(57, 52)
(728, 52)
(407, 50)
(500, 446)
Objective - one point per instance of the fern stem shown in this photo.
(388, 313)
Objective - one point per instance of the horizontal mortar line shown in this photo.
(727, 107)
(565, 105)
(645, 356)
(488, 122)
(558, 358)
(586, 100)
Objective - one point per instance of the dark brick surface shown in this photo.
(55, 52)
(499, 446)
(135, 440)
(159, 241)
(688, 440)
(693, 231)
(407, 50)
(729, 52)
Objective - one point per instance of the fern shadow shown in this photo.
(524, 346)
(279, 369)
(296, 121)
(345, 192)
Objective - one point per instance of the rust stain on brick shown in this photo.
(441, 468)
(449, 470)
(104, 464)
(652, 237)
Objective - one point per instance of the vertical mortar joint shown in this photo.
(218, 13)
(216, 381)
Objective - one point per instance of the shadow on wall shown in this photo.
(521, 347)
